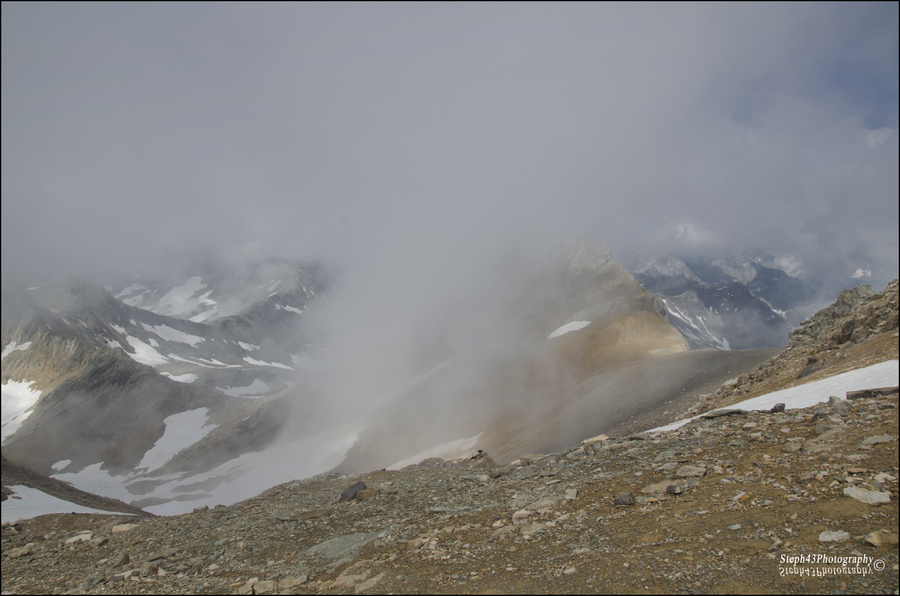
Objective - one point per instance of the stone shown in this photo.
(351, 491)
(624, 498)
(123, 559)
(878, 439)
(22, 551)
(869, 497)
(571, 494)
(569, 571)
(719, 413)
(264, 586)
(340, 546)
(597, 439)
(123, 528)
(521, 514)
(163, 554)
(690, 472)
(656, 489)
(867, 393)
(834, 536)
(82, 537)
(290, 583)
(880, 538)
(367, 493)
(779, 407)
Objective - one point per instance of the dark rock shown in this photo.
(624, 499)
(777, 408)
(718, 413)
(866, 393)
(351, 491)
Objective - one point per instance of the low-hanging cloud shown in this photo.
(408, 143)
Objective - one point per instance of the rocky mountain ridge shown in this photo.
(860, 328)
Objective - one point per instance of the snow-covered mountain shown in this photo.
(735, 303)
(90, 382)
(169, 406)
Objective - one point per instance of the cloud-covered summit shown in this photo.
(426, 137)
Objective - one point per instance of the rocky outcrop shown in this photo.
(859, 329)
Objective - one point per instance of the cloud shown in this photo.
(415, 140)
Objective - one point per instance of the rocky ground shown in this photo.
(721, 505)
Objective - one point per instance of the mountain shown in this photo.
(712, 505)
(92, 385)
(164, 412)
(594, 352)
(735, 303)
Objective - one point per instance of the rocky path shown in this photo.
(721, 505)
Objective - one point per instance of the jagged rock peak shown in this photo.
(856, 314)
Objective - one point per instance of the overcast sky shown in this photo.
(436, 135)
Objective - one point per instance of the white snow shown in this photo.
(144, 353)
(255, 389)
(573, 326)
(14, 347)
(186, 378)
(182, 431)
(61, 464)
(248, 347)
(119, 329)
(169, 334)
(885, 374)
(29, 502)
(114, 344)
(449, 450)
(153, 342)
(250, 360)
(205, 315)
(252, 473)
(860, 272)
(290, 308)
(178, 300)
(17, 398)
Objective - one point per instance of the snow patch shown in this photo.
(182, 431)
(246, 346)
(14, 347)
(61, 464)
(250, 360)
(860, 272)
(573, 326)
(449, 450)
(885, 374)
(186, 378)
(144, 353)
(27, 502)
(169, 334)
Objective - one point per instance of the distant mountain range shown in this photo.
(208, 382)
(735, 303)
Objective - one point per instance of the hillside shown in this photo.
(719, 505)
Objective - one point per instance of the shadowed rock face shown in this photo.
(541, 392)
